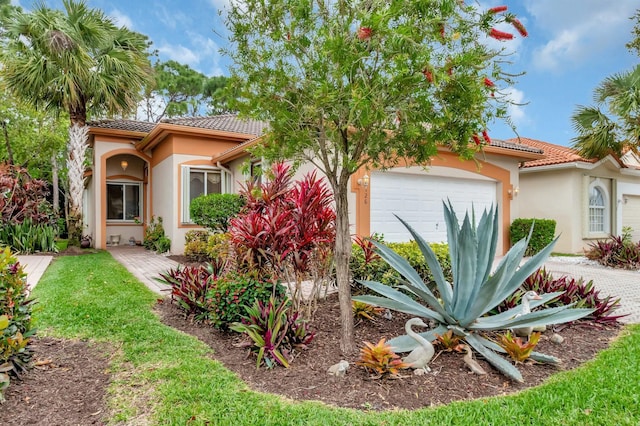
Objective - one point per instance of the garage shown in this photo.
(417, 198)
(631, 214)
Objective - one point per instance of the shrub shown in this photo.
(15, 319)
(23, 198)
(28, 237)
(274, 331)
(189, 288)
(616, 252)
(195, 248)
(27, 221)
(542, 235)
(218, 246)
(366, 265)
(213, 211)
(229, 296)
(380, 359)
(155, 238)
(571, 291)
(288, 228)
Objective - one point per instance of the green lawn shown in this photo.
(165, 377)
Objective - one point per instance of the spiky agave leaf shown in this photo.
(475, 291)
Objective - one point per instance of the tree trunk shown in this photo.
(342, 254)
(54, 183)
(75, 163)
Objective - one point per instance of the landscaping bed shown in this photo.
(449, 379)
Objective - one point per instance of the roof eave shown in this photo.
(237, 152)
(515, 153)
(162, 130)
(117, 132)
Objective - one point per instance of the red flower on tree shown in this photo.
(476, 139)
(498, 9)
(364, 33)
(486, 137)
(500, 35)
(488, 82)
(517, 25)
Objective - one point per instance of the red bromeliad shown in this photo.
(500, 35)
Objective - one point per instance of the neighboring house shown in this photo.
(143, 169)
(589, 199)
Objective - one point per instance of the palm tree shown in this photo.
(75, 61)
(613, 125)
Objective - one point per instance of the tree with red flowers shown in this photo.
(351, 84)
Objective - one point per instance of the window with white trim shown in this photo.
(124, 201)
(197, 181)
(598, 209)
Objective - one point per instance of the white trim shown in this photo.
(124, 183)
(225, 186)
(601, 187)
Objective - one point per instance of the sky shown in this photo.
(572, 46)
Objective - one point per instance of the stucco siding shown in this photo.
(555, 195)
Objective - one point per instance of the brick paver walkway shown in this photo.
(144, 265)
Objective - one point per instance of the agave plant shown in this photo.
(464, 306)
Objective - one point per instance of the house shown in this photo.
(143, 169)
(589, 199)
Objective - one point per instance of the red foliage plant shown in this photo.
(284, 222)
(22, 197)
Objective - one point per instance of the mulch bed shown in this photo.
(68, 387)
(449, 380)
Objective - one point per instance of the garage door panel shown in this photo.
(631, 215)
(418, 200)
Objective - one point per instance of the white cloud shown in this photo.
(516, 109)
(180, 54)
(172, 18)
(579, 33)
(120, 19)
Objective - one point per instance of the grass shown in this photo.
(165, 377)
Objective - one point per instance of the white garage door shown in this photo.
(631, 214)
(417, 199)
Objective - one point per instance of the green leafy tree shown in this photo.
(348, 84)
(634, 44)
(220, 94)
(180, 88)
(77, 61)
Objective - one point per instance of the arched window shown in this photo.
(598, 212)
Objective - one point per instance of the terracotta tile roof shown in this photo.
(128, 125)
(554, 154)
(515, 146)
(225, 123)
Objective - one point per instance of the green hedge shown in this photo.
(376, 269)
(213, 211)
(543, 233)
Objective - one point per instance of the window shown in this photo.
(123, 201)
(598, 211)
(256, 172)
(200, 181)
